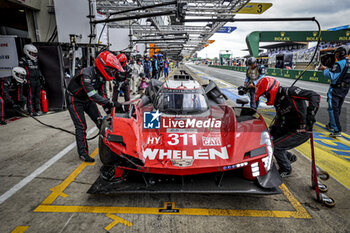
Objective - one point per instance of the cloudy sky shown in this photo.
(330, 13)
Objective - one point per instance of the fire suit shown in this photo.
(83, 92)
(252, 77)
(339, 76)
(34, 77)
(293, 118)
(11, 93)
(121, 83)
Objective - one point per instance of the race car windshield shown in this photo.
(182, 103)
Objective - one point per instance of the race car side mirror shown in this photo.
(242, 101)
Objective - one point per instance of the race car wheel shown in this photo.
(106, 155)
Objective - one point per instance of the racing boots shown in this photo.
(86, 158)
(285, 174)
(335, 134)
(291, 157)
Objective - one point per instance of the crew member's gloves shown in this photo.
(108, 107)
(42, 81)
(310, 118)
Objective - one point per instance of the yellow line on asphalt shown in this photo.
(20, 229)
(46, 205)
(58, 190)
(116, 221)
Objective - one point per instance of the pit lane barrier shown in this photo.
(310, 76)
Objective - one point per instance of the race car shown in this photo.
(182, 136)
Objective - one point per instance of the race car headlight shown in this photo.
(265, 139)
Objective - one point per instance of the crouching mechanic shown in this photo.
(294, 118)
(339, 75)
(11, 92)
(253, 75)
(84, 91)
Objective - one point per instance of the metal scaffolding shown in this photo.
(175, 38)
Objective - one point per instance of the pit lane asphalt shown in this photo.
(56, 199)
(237, 78)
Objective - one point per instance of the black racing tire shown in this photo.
(106, 154)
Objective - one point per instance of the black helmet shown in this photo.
(343, 50)
(251, 61)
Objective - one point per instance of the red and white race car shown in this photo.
(184, 137)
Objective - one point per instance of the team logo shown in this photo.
(151, 120)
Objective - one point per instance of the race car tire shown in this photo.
(106, 155)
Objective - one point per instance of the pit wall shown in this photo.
(311, 76)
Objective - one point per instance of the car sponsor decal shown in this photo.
(200, 154)
(211, 141)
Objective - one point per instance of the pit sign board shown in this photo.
(254, 8)
(226, 29)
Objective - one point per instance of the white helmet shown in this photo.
(30, 51)
(19, 74)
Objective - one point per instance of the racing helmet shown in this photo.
(268, 87)
(108, 64)
(122, 59)
(342, 50)
(251, 61)
(31, 52)
(155, 55)
(160, 56)
(19, 74)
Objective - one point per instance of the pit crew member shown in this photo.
(122, 79)
(11, 91)
(253, 75)
(294, 118)
(84, 91)
(34, 78)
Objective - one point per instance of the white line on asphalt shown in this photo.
(39, 170)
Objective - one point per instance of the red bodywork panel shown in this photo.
(172, 150)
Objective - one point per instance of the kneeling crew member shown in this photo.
(11, 91)
(87, 89)
(293, 118)
(339, 76)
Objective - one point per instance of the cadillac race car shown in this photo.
(183, 137)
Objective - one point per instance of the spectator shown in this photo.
(166, 68)
(154, 67)
(137, 70)
(147, 67)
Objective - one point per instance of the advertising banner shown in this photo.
(8, 55)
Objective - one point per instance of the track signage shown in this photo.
(254, 8)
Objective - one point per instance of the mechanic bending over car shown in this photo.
(85, 90)
(121, 81)
(253, 75)
(294, 118)
(11, 92)
(339, 75)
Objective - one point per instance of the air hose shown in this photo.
(54, 127)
